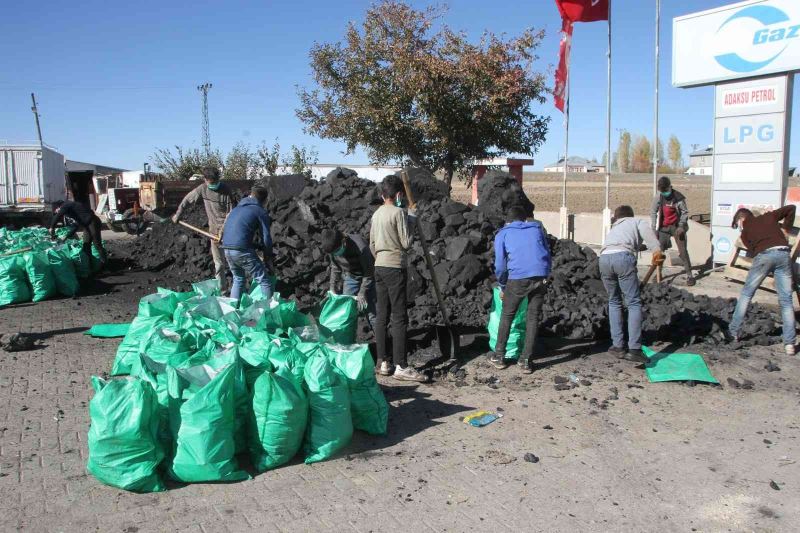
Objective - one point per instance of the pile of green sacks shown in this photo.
(208, 378)
(46, 270)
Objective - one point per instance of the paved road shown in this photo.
(659, 457)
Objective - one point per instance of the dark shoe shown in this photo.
(728, 337)
(498, 362)
(616, 350)
(635, 355)
(526, 367)
(691, 282)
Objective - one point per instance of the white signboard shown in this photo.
(737, 41)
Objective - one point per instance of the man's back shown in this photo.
(388, 237)
(522, 249)
(242, 224)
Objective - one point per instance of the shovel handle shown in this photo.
(407, 186)
(198, 230)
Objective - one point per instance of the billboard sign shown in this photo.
(741, 40)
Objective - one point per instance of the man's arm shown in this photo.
(500, 266)
(785, 213)
(266, 237)
(372, 238)
(683, 210)
(403, 231)
(367, 267)
(57, 217)
(649, 236)
(654, 212)
(336, 275)
(192, 198)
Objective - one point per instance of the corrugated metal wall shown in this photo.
(53, 165)
(23, 175)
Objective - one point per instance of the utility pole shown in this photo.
(204, 88)
(36, 115)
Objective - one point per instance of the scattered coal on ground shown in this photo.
(460, 245)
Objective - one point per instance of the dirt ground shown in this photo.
(586, 192)
(615, 453)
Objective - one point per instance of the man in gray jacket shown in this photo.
(218, 199)
(621, 279)
(669, 217)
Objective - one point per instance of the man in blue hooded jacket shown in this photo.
(522, 264)
(245, 221)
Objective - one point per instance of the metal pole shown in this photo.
(566, 142)
(36, 115)
(608, 112)
(655, 116)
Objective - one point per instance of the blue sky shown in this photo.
(116, 80)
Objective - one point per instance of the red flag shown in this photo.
(560, 88)
(583, 10)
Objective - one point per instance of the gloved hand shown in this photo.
(412, 212)
(658, 258)
(361, 302)
(502, 294)
(680, 233)
(174, 219)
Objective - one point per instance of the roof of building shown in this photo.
(100, 169)
(704, 151)
(576, 161)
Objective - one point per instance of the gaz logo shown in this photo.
(754, 50)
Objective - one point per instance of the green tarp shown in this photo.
(676, 367)
(108, 331)
(516, 337)
(124, 451)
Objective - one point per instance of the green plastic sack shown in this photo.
(367, 403)
(124, 451)
(63, 271)
(80, 260)
(676, 367)
(13, 281)
(179, 296)
(339, 318)
(159, 304)
(128, 349)
(279, 413)
(209, 287)
(330, 426)
(94, 262)
(257, 348)
(155, 375)
(167, 345)
(201, 411)
(40, 275)
(516, 337)
(108, 331)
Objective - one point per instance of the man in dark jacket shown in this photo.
(79, 217)
(669, 217)
(241, 226)
(218, 199)
(522, 264)
(352, 266)
(765, 239)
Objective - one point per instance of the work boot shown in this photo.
(789, 349)
(525, 366)
(635, 355)
(690, 281)
(409, 373)
(616, 350)
(728, 337)
(384, 368)
(498, 361)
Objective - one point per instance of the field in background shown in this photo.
(586, 192)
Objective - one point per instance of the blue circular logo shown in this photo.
(723, 245)
(767, 16)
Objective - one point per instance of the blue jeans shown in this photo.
(779, 263)
(621, 279)
(243, 263)
(350, 287)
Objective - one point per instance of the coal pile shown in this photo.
(460, 244)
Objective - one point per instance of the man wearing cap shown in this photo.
(218, 199)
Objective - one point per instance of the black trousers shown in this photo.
(534, 290)
(92, 235)
(390, 286)
(665, 241)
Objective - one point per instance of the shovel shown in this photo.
(198, 230)
(649, 274)
(447, 339)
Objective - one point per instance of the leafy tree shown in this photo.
(674, 152)
(409, 89)
(641, 160)
(181, 163)
(240, 164)
(268, 158)
(624, 152)
(299, 159)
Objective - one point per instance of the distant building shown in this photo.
(576, 164)
(99, 170)
(701, 162)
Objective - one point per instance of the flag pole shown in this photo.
(607, 210)
(563, 216)
(655, 116)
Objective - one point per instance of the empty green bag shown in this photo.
(277, 419)
(339, 318)
(13, 281)
(330, 426)
(368, 405)
(201, 412)
(124, 451)
(516, 337)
